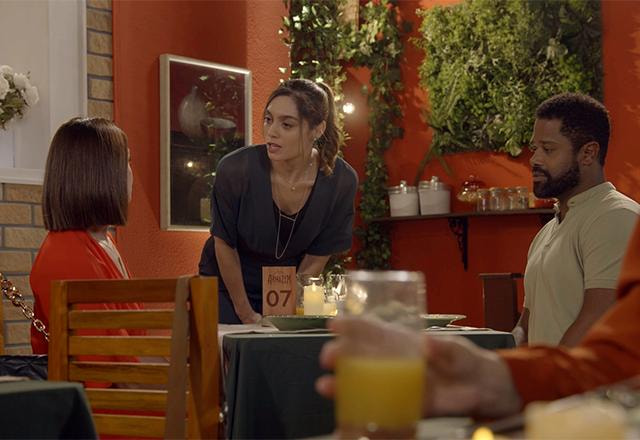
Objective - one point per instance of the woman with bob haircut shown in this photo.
(288, 202)
(87, 189)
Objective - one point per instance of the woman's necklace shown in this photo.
(292, 186)
(292, 218)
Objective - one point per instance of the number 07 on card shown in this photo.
(278, 290)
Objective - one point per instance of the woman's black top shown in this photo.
(246, 218)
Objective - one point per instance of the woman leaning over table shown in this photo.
(288, 202)
(87, 188)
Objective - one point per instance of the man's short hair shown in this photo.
(85, 181)
(583, 118)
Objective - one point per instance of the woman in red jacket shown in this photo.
(87, 189)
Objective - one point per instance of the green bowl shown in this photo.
(298, 322)
(440, 320)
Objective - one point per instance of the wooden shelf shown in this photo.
(459, 223)
(539, 211)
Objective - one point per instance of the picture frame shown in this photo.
(205, 113)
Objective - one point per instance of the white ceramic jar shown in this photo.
(403, 200)
(435, 197)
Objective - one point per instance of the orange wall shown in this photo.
(247, 37)
(237, 33)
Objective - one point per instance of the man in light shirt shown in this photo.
(574, 261)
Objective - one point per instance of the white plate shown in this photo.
(440, 320)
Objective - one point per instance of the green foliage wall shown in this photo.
(378, 46)
(318, 40)
(489, 63)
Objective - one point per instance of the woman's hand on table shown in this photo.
(462, 379)
(250, 317)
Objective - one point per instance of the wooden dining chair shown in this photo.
(500, 300)
(132, 390)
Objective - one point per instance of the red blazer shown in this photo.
(610, 351)
(68, 255)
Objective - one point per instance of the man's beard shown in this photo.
(554, 187)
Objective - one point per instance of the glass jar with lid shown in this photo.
(498, 200)
(482, 200)
(467, 193)
(523, 197)
(511, 195)
(435, 197)
(403, 200)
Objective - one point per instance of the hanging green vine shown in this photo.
(489, 63)
(318, 40)
(379, 47)
(320, 43)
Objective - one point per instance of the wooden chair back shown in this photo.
(131, 387)
(500, 299)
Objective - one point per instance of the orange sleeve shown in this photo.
(609, 353)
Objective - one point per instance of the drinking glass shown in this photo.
(380, 376)
(336, 291)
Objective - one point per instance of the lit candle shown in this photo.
(313, 300)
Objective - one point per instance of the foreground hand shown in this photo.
(371, 338)
(462, 379)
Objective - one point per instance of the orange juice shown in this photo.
(379, 397)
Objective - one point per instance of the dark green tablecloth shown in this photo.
(269, 382)
(41, 409)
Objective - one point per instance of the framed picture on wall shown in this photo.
(205, 113)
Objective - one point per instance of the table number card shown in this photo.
(278, 290)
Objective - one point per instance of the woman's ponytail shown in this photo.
(331, 140)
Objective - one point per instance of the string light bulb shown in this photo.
(348, 108)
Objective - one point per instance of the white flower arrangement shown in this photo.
(16, 94)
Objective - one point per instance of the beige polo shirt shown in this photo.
(584, 251)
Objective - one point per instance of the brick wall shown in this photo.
(21, 233)
(99, 59)
(21, 227)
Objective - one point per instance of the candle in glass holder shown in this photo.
(330, 309)
(313, 300)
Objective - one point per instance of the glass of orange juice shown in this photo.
(380, 376)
